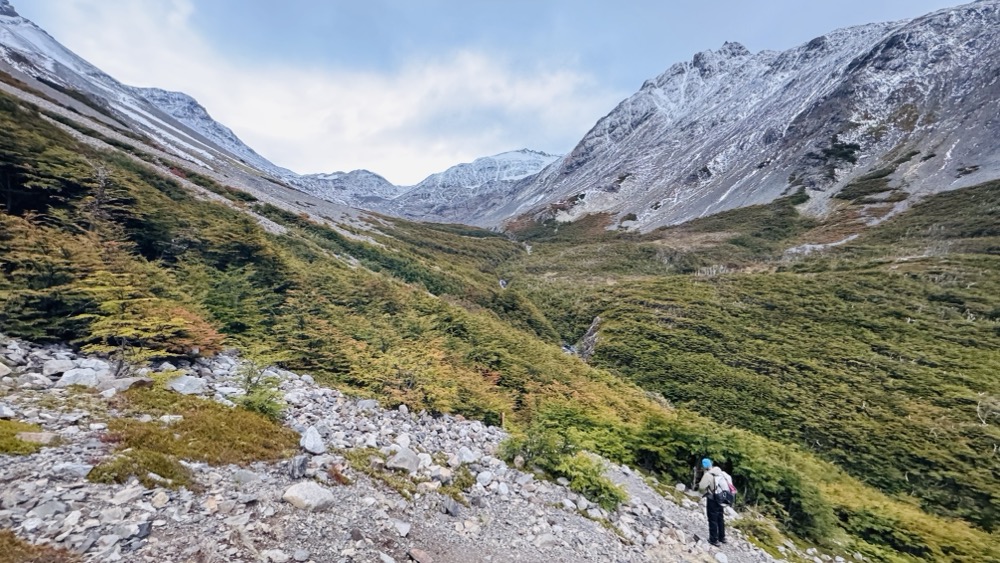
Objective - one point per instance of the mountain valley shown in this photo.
(788, 262)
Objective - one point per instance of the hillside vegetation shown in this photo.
(106, 251)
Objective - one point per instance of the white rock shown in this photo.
(404, 460)
(275, 556)
(34, 381)
(4, 370)
(52, 367)
(187, 385)
(308, 495)
(721, 557)
(402, 528)
(6, 413)
(312, 442)
(79, 376)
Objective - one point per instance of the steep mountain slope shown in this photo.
(188, 111)
(190, 133)
(455, 194)
(910, 104)
(358, 188)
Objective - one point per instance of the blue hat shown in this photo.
(706, 463)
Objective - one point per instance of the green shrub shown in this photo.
(558, 455)
(586, 476)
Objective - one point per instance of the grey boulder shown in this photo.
(308, 495)
(187, 385)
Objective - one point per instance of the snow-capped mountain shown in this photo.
(913, 104)
(175, 120)
(188, 111)
(458, 193)
(358, 188)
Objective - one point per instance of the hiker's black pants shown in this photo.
(716, 522)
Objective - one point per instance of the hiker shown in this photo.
(713, 482)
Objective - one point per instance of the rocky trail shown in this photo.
(297, 509)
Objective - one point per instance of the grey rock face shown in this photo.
(732, 128)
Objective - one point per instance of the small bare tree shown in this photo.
(988, 408)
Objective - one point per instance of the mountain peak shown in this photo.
(7, 10)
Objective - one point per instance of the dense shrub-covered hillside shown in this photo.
(108, 251)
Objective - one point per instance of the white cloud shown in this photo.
(419, 119)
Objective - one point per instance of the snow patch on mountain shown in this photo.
(731, 128)
(188, 111)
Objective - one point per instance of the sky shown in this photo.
(406, 88)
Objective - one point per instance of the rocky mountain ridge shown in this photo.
(911, 102)
(283, 511)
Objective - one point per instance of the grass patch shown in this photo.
(9, 444)
(15, 550)
(209, 432)
(360, 459)
(151, 468)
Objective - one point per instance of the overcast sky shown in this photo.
(406, 88)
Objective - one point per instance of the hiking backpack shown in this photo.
(724, 491)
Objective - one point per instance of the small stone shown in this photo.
(54, 367)
(4, 370)
(357, 535)
(71, 471)
(300, 555)
(308, 495)
(405, 460)
(34, 381)
(127, 495)
(47, 510)
(297, 466)
(402, 528)
(721, 557)
(245, 477)
(275, 556)
(6, 412)
(312, 442)
(124, 384)
(403, 409)
(383, 558)
(367, 404)
(484, 478)
(466, 455)
(187, 385)
(419, 555)
(160, 499)
(451, 507)
(85, 377)
(545, 540)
